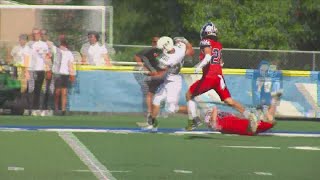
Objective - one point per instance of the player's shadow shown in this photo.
(199, 137)
(223, 138)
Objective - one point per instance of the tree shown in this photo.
(244, 24)
(136, 21)
(307, 13)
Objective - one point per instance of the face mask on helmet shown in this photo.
(209, 29)
(165, 43)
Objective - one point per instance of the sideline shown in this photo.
(175, 131)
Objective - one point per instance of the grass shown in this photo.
(44, 155)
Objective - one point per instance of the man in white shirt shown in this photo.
(93, 53)
(171, 62)
(49, 85)
(40, 65)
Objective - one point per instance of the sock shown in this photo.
(192, 107)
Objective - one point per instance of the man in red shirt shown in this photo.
(229, 123)
(212, 78)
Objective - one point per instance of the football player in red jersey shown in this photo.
(237, 124)
(212, 78)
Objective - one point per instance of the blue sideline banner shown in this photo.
(110, 91)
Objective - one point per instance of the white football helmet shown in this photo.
(209, 29)
(165, 43)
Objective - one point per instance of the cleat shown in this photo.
(277, 94)
(155, 126)
(189, 126)
(147, 123)
(149, 119)
(193, 124)
(276, 97)
(197, 121)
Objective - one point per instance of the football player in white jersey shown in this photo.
(171, 62)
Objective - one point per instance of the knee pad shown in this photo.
(172, 108)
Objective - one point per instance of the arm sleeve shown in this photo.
(205, 61)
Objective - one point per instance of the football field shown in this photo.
(112, 147)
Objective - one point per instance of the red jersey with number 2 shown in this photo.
(212, 77)
(214, 66)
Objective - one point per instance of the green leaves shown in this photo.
(253, 24)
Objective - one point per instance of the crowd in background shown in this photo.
(46, 69)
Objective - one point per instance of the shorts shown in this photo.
(61, 81)
(207, 83)
(153, 85)
(169, 92)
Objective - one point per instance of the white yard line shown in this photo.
(182, 171)
(15, 168)
(263, 173)
(252, 147)
(98, 169)
(112, 171)
(306, 148)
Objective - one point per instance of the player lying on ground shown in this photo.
(229, 123)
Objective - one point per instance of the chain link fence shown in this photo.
(241, 58)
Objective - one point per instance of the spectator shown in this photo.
(93, 53)
(40, 66)
(63, 70)
(147, 61)
(21, 55)
(49, 86)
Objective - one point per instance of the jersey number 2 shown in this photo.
(216, 55)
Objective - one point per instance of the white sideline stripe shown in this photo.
(89, 130)
(126, 131)
(289, 134)
(263, 173)
(253, 147)
(98, 169)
